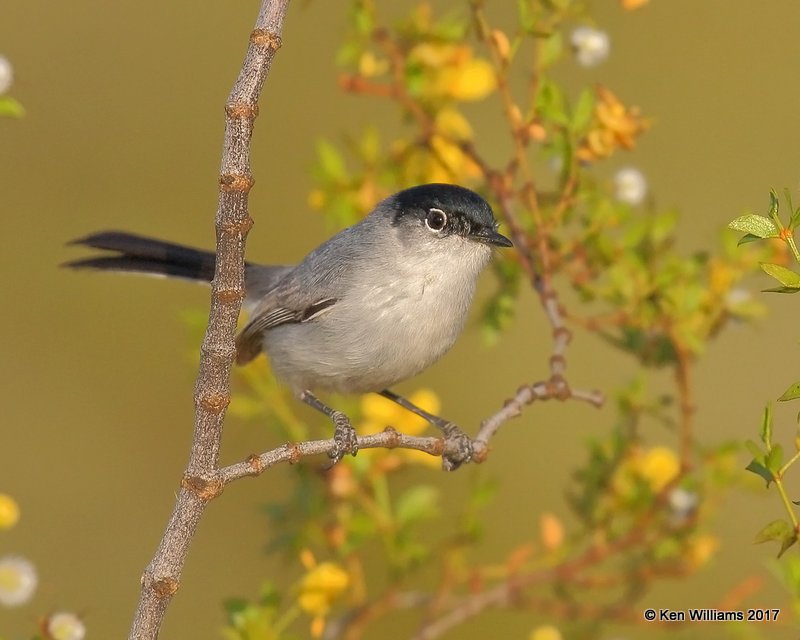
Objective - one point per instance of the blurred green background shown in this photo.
(124, 130)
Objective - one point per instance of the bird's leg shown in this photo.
(458, 447)
(344, 434)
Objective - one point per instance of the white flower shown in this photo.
(17, 581)
(6, 75)
(630, 186)
(591, 46)
(737, 297)
(682, 502)
(65, 626)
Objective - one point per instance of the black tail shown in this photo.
(140, 254)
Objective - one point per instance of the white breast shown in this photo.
(383, 330)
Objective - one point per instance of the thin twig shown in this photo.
(201, 481)
(511, 591)
(293, 452)
(553, 389)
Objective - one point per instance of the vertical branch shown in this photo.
(201, 481)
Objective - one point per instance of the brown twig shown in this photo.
(293, 452)
(202, 480)
(553, 389)
(511, 591)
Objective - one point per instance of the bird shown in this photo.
(377, 303)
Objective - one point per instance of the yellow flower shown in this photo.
(721, 276)
(546, 632)
(370, 66)
(379, 412)
(630, 5)
(656, 467)
(433, 54)
(441, 161)
(659, 466)
(452, 124)
(700, 549)
(472, 80)
(9, 511)
(319, 589)
(452, 71)
(449, 158)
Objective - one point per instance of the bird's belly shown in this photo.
(372, 340)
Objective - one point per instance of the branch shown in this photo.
(202, 482)
(554, 389)
(293, 452)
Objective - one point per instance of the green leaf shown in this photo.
(232, 606)
(786, 277)
(792, 393)
(780, 290)
(787, 542)
(10, 107)
(779, 530)
(550, 102)
(551, 50)
(788, 195)
(527, 19)
(774, 459)
(754, 449)
(795, 219)
(417, 503)
(363, 20)
(331, 161)
(747, 238)
(775, 530)
(369, 146)
(582, 111)
(756, 225)
(760, 470)
(774, 203)
(766, 426)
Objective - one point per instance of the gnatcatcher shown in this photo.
(374, 305)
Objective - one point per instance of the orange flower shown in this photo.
(551, 531)
(615, 125)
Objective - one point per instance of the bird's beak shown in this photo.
(490, 236)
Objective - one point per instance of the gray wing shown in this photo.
(286, 304)
(306, 291)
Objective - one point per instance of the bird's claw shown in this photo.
(344, 438)
(458, 447)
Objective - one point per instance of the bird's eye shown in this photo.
(436, 220)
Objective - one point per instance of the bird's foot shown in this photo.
(344, 437)
(458, 447)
